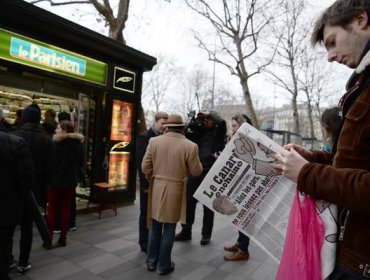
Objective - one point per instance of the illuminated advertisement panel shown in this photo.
(118, 168)
(122, 113)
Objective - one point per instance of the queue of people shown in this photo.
(41, 148)
(52, 176)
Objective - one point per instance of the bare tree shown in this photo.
(195, 91)
(291, 32)
(238, 25)
(115, 22)
(158, 82)
(314, 83)
(224, 96)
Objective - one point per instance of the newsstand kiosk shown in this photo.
(61, 65)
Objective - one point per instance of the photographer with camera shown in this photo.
(208, 131)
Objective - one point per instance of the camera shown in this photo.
(196, 125)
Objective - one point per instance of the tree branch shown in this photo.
(52, 3)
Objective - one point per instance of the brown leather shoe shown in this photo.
(238, 256)
(233, 248)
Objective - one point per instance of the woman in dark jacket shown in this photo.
(67, 165)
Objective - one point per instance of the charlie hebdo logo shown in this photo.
(124, 80)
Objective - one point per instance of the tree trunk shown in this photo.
(243, 76)
(248, 101)
(116, 34)
(295, 114)
(309, 114)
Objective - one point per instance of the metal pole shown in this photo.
(213, 78)
(213, 86)
(273, 120)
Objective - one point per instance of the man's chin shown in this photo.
(349, 65)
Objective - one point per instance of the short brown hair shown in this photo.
(340, 13)
(51, 113)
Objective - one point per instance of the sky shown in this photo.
(165, 30)
(163, 27)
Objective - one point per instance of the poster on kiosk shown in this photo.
(121, 132)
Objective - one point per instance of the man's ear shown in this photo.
(362, 19)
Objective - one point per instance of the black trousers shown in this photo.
(6, 237)
(143, 230)
(25, 243)
(191, 203)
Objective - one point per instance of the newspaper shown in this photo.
(243, 186)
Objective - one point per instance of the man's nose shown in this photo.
(332, 56)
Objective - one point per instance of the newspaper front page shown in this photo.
(244, 187)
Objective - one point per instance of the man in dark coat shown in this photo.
(41, 148)
(142, 141)
(208, 131)
(17, 174)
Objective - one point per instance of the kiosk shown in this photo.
(63, 66)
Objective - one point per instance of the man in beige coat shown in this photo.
(167, 161)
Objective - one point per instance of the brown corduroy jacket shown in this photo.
(347, 182)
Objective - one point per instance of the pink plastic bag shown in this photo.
(305, 235)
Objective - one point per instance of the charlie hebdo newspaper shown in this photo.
(244, 187)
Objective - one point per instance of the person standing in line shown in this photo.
(167, 161)
(66, 173)
(41, 148)
(50, 124)
(239, 250)
(18, 119)
(3, 122)
(17, 175)
(64, 116)
(142, 141)
(208, 131)
(342, 177)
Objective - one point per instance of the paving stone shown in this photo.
(54, 271)
(102, 263)
(120, 269)
(114, 244)
(107, 249)
(199, 274)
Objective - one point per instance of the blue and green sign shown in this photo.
(23, 50)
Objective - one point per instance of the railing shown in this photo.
(283, 137)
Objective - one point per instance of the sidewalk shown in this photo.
(108, 249)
